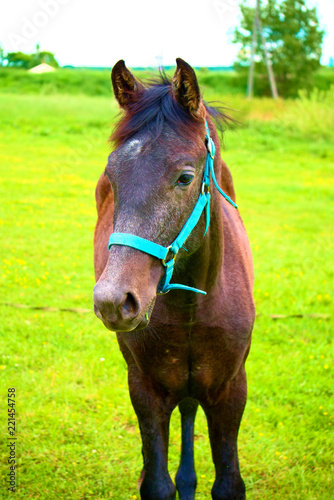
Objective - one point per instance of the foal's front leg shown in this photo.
(223, 421)
(186, 476)
(153, 412)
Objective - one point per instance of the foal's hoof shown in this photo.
(234, 496)
(187, 494)
(186, 485)
(158, 491)
(230, 488)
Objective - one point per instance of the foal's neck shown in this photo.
(202, 268)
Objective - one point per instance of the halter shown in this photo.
(161, 252)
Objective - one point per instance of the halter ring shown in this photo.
(164, 260)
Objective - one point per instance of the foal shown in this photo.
(167, 222)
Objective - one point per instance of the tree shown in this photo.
(2, 56)
(27, 61)
(19, 60)
(293, 41)
(45, 57)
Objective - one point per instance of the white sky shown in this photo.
(99, 33)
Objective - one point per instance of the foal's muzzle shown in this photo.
(117, 308)
(125, 294)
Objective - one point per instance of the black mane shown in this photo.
(156, 106)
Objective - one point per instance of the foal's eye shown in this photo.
(185, 179)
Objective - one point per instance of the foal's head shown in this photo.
(156, 174)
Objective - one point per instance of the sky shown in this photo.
(142, 32)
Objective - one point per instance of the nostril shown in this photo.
(114, 305)
(130, 306)
(96, 311)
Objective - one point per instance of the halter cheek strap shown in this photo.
(161, 252)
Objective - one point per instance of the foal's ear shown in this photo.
(186, 88)
(126, 87)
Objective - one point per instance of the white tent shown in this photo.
(42, 68)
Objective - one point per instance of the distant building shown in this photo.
(42, 68)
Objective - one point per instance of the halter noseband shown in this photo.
(161, 252)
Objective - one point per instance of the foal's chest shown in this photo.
(185, 363)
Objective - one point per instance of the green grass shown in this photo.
(97, 82)
(77, 433)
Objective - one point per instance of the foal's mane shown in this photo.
(155, 106)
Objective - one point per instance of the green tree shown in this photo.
(2, 56)
(19, 60)
(293, 40)
(27, 61)
(45, 57)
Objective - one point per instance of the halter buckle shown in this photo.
(210, 146)
(164, 260)
(205, 188)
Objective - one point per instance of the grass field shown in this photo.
(77, 436)
(97, 82)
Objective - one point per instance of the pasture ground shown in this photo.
(77, 436)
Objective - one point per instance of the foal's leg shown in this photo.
(186, 477)
(223, 421)
(153, 415)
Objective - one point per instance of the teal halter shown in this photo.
(161, 252)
